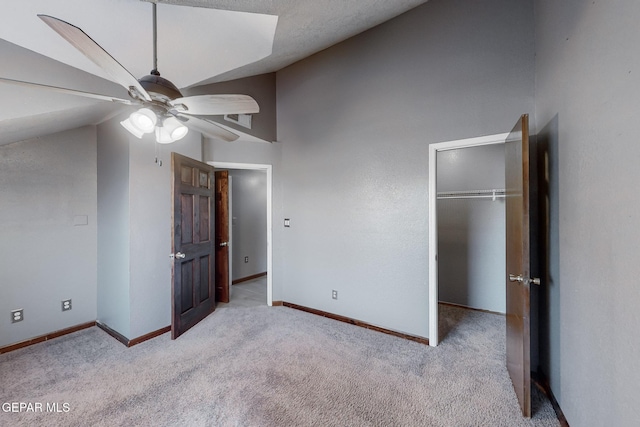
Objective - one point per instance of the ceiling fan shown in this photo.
(161, 108)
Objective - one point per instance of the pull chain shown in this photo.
(158, 154)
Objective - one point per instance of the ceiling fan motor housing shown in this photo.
(160, 88)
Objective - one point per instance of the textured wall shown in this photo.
(586, 105)
(355, 122)
(114, 302)
(249, 222)
(150, 229)
(135, 229)
(471, 232)
(47, 186)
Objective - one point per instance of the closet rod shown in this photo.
(475, 194)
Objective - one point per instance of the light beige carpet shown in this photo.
(271, 366)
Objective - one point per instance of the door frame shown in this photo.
(434, 339)
(269, 171)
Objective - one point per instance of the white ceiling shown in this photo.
(199, 42)
(305, 26)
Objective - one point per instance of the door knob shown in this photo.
(224, 244)
(519, 278)
(514, 278)
(179, 255)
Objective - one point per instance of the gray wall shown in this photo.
(47, 185)
(263, 154)
(249, 222)
(139, 290)
(113, 283)
(471, 232)
(586, 105)
(150, 201)
(355, 122)
(116, 268)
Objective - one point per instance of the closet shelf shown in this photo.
(473, 194)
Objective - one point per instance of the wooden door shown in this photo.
(193, 289)
(518, 262)
(222, 236)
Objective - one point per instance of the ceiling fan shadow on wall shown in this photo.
(161, 108)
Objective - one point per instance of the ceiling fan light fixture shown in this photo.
(175, 129)
(144, 119)
(128, 125)
(163, 136)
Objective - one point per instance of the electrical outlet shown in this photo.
(246, 259)
(17, 315)
(334, 294)
(66, 305)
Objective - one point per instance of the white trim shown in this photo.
(269, 170)
(433, 219)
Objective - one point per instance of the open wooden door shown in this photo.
(193, 288)
(222, 236)
(518, 262)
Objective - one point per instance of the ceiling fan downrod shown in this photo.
(155, 71)
(159, 88)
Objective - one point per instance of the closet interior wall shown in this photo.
(471, 227)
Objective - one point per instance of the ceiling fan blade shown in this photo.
(69, 91)
(208, 128)
(92, 50)
(213, 105)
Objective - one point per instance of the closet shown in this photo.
(471, 227)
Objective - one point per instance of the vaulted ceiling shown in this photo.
(199, 42)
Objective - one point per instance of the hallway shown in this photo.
(252, 293)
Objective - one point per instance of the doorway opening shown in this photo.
(444, 148)
(267, 170)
